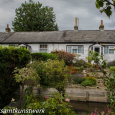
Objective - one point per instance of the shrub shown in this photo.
(79, 63)
(62, 55)
(86, 83)
(55, 105)
(77, 80)
(72, 69)
(92, 79)
(43, 56)
(89, 81)
(52, 73)
(111, 63)
(10, 58)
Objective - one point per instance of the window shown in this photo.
(109, 50)
(43, 48)
(14, 45)
(75, 49)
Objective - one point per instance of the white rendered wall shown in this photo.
(52, 47)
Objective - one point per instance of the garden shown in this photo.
(58, 69)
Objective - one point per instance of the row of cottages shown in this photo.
(73, 41)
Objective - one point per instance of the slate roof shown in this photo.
(4, 36)
(69, 36)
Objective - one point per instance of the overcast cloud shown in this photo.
(65, 10)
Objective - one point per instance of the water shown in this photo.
(83, 108)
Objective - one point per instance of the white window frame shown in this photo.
(111, 47)
(72, 47)
(43, 48)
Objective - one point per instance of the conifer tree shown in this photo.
(34, 17)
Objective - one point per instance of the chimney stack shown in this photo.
(75, 27)
(8, 29)
(101, 27)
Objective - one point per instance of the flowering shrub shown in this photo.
(72, 69)
(62, 55)
(109, 112)
(55, 105)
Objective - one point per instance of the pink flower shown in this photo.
(93, 114)
(107, 109)
(68, 100)
(12, 100)
(46, 97)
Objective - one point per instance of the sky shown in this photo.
(65, 11)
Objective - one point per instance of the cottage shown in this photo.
(73, 41)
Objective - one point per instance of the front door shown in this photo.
(97, 49)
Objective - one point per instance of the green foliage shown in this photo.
(92, 79)
(109, 80)
(24, 74)
(79, 63)
(52, 73)
(62, 55)
(54, 105)
(109, 112)
(43, 56)
(87, 83)
(10, 58)
(105, 6)
(34, 17)
(77, 80)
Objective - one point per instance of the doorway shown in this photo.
(97, 50)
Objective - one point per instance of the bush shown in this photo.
(77, 80)
(10, 58)
(72, 69)
(92, 79)
(62, 55)
(52, 73)
(43, 56)
(86, 83)
(111, 63)
(89, 81)
(79, 63)
(54, 105)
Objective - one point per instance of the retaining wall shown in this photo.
(77, 94)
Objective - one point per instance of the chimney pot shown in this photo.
(8, 29)
(75, 27)
(101, 27)
(7, 25)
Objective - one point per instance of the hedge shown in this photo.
(10, 57)
(43, 56)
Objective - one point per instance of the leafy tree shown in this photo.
(105, 6)
(34, 17)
